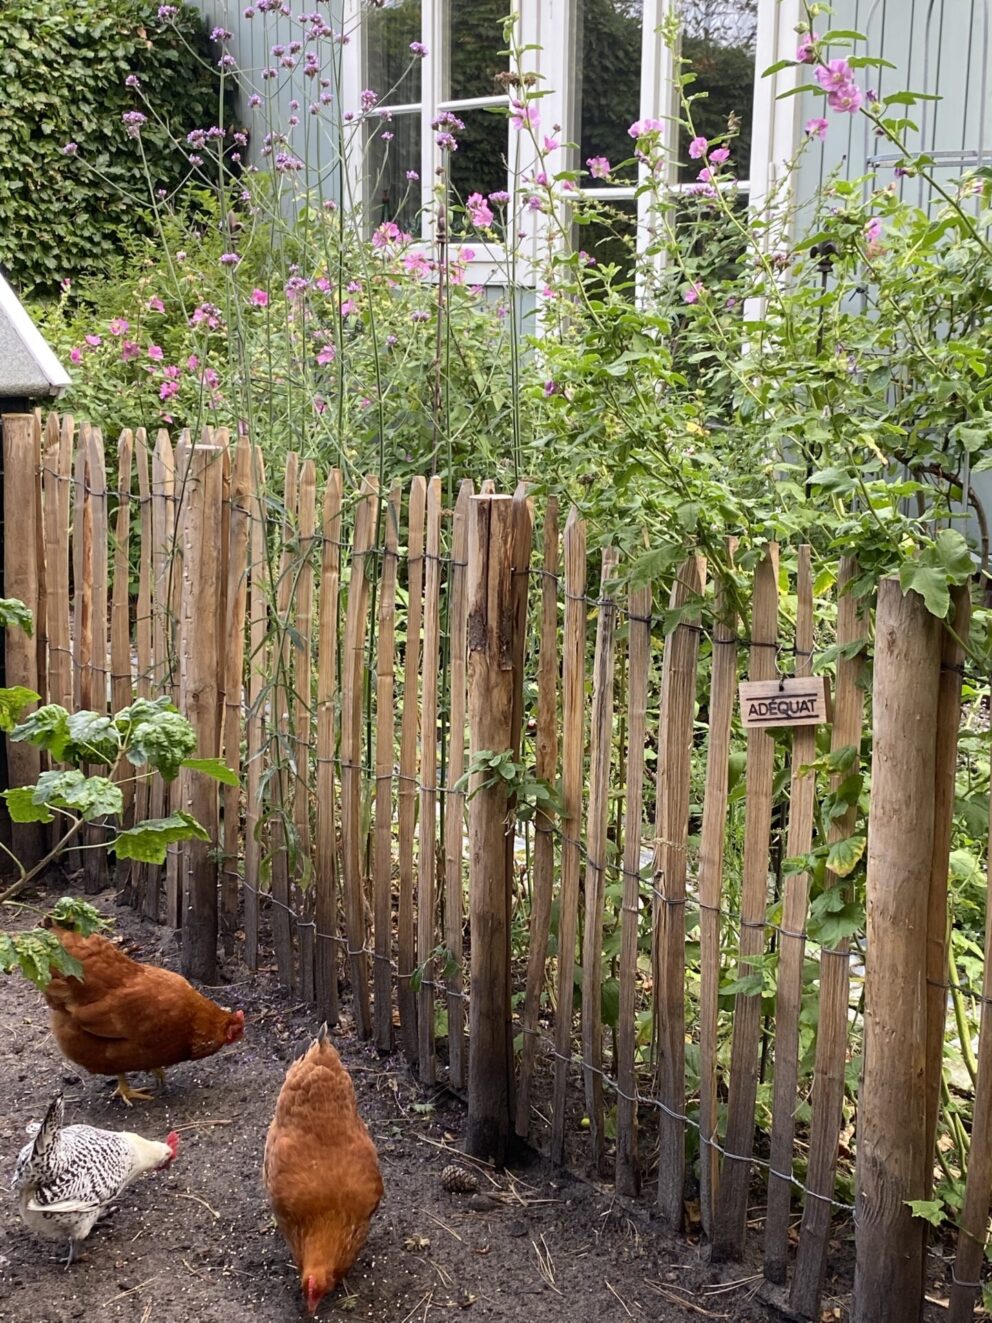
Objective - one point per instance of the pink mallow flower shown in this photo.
(806, 50)
(834, 75)
(118, 326)
(719, 156)
(873, 230)
(75, 355)
(155, 353)
(691, 295)
(94, 341)
(641, 127)
(260, 298)
(697, 148)
(522, 115)
(599, 167)
(130, 349)
(155, 304)
(479, 211)
(326, 354)
(817, 127)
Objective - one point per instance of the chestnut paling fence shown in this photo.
(401, 678)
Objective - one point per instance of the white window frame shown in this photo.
(549, 26)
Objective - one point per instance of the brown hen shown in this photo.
(125, 1016)
(321, 1169)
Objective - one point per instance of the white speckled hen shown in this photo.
(67, 1178)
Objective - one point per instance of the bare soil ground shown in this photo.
(197, 1244)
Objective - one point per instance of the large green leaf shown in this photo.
(843, 856)
(47, 728)
(149, 840)
(90, 796)
(14, 612)
(12, 703)
(79, 914)
(22, 807)
(93, 738)
(215, 767)
(157, 735)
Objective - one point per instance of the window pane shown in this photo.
(479, 164)
(607, 231)
(475, 38)
(609, 80)
(391, 71)
(718, 38)
(391, 196)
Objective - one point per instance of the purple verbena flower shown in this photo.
(132, 121)
(70, 149)
(418, 49)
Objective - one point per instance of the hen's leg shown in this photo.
(127, 1094)
(72, 1251)
(159, 1074)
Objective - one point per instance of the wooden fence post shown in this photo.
(490, 648)
(20, 577)
(710, 874)
(891, 1140)
(730, 1220)
(675, 735)
(938, 935)
(835, 979)
(326, 871)
(201, 587)
(792, 950)
(233, 652)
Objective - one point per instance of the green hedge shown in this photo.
(63, 66)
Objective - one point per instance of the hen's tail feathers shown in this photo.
(48, 1133)
(322, 1034)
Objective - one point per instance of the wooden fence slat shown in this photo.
(890, 1243)
(121, 685)
(406, 794)
(385, 732)
(938, 932)
(147, 901)
(176, 640)
(723, 684)
(352, 696)
(82, 589)
(57, 496)
(597, 815)
(95, 865)
(202, 566)
(573, 749)
(258, 673)
(163, 492)
(232, 652)
(490, 647)
(326, 913)
(792, 949)
(20, 568)
(454, 822)
(280, 743)
(678, 711)
(545, 768)
(302, 671)
(627, 1174)
(731, 1209)
(835, 978)
(41, 610)
(222, 438)
(974, 1217)
(427, 861)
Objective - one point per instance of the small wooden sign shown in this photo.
(796, 701)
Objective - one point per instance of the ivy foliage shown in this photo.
(63, 66)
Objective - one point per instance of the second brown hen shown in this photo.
(321, 1169)
(125, 1016)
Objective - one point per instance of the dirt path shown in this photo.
(196, 1244)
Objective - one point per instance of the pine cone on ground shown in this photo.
(459, 1181)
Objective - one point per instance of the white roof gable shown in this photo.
(27, 365)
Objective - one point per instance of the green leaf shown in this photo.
(12, 703)
(14, 612)
(22, 807)
(155, 733)
(69, 912)
(844, 856)
(90, 796)
(149, 840)
(47, 728)
(215, 767)
(777, 67)
(930, 583)
(609, 996)
(931, 1210)
(93, 738)
(842, 34)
